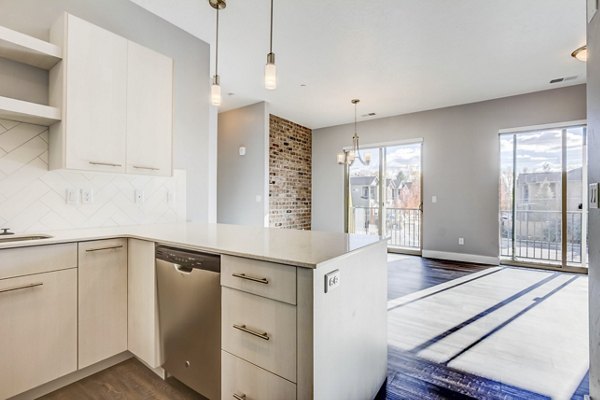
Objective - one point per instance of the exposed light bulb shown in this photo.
(341, 158)
(367, 158)
(351, 156)
(215, 92)
(271, 73)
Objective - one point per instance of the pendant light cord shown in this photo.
(271, 35)
(217, 46)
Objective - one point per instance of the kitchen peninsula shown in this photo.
(327, 293)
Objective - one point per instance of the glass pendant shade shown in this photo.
(215, 94)
(270, 76)
(367, 158)
(341, 158)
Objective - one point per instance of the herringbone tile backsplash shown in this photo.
(33, 199)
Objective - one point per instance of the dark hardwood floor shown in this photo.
(411, 273)
(413, 378)
(129, 380)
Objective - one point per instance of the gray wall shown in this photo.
(460, 163)
(192, 136)
(593, 93)
(240, 179)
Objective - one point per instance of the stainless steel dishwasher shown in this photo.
(189, 307)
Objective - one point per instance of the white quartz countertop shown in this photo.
(299, 248)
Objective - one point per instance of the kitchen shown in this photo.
(105, 128)
(215, 199)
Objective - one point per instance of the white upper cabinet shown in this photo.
(116, 98)
(92, 82)
(149, 111)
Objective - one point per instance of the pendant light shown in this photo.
(349, 156)
(270, 67)
(215, 89)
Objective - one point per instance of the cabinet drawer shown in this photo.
(37, 259)
(260, 330)
(38, 337)
(274, 281)
(247, 381)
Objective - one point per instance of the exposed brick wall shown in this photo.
(290, 174)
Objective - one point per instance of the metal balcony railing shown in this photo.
(537, 236)
(402, 225)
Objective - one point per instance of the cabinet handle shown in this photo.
(106, 164)
(243, 328)
(29, 286)
(148, 168)
(264, 281)
(104, 248)
(239, 396)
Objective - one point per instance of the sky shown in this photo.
(539, 150)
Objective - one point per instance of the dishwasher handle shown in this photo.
(182, 269)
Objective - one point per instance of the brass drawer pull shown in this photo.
(29, 286)
(148, 168)
(105, 164)
(264, 281)
(239, 396)
(104, 248)
(243, 328)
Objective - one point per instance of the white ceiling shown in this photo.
(397, 56)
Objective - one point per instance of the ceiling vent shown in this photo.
(371, 114)
(566, 79)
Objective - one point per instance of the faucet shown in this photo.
(6, 232)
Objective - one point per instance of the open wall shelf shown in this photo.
(26, 49)
(24, 111)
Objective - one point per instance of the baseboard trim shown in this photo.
(72, 377)
(471, 258)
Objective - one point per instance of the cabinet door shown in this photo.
(142, 303)
(102, 300)
(96, 98)
(149, 112)
(38, 333)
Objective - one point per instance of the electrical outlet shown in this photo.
(87, 196)
(258, 198)
(461, 241)
(332, 280)
(139, 197)
(72, 197)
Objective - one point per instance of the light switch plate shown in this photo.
(332, 280)
(434, 199)
(593, 199)
(72, 197)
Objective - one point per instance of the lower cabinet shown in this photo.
(243, 380)
(102, 300)
(38, 332)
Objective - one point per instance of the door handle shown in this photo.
(106, 164)
(104, 248)
(148, 168)
(244, 328)
(29, 286)
(264, 281)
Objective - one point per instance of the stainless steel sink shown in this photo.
(22, 238)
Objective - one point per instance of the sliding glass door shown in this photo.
(542, 209)
(384, 198)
